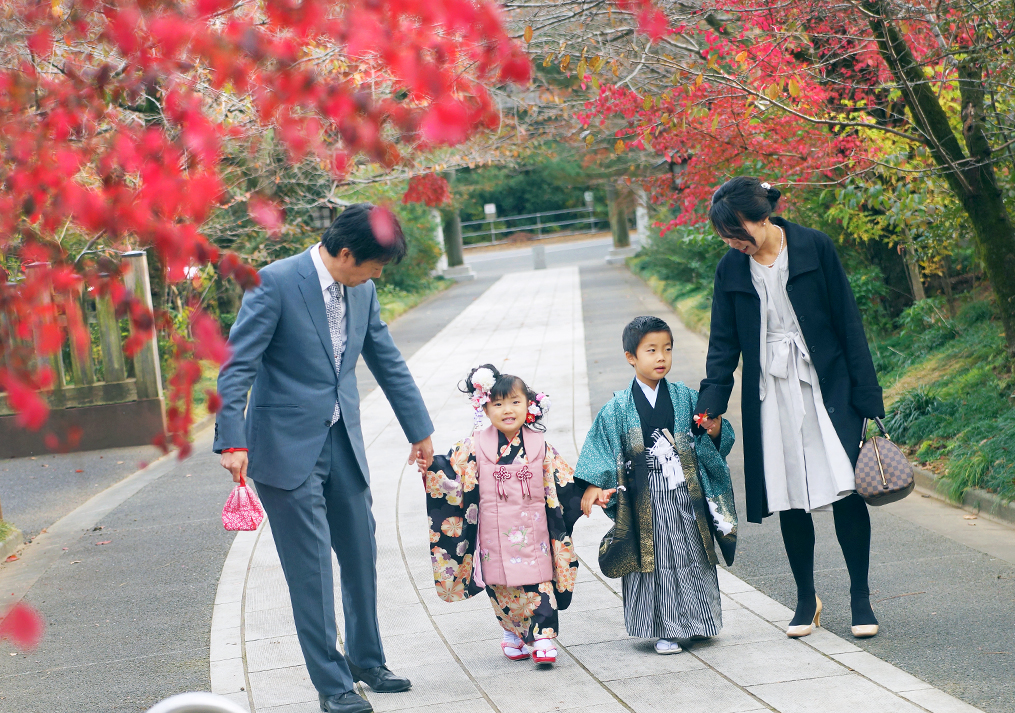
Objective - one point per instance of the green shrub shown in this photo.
(870, 289)
(908, 411)
(926, 323)
(975, 312)
(413, 273)
(686, 255)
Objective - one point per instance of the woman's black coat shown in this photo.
(831, 326)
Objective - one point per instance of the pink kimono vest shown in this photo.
(514, 542)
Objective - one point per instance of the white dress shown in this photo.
(806, 467)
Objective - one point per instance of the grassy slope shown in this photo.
(948, 391)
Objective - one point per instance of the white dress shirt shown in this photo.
(324, 276)
(327, 281)
(650, 392)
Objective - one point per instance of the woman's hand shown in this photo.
(596, 496)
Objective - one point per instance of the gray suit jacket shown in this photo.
(282, 349)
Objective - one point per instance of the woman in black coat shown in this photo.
(813, 334)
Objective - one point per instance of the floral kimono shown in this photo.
(674, 501)
(453, 507)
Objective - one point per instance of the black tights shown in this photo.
(853, 530)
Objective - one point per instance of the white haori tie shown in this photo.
(669, 461)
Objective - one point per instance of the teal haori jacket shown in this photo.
(615, 443)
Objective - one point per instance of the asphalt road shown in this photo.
(36, 492)
(128, 622)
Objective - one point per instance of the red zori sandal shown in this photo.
(513, 652)
(513, 647)
(544, 651)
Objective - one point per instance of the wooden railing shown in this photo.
(98, 394)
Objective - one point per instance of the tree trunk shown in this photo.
(913, 267)
(454, 240)
(618, 217)
(971, 178)
(947, 284)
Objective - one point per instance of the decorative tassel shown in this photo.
(524, 476)
(669, 462)
(501, 475)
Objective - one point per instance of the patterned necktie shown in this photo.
(336, 320)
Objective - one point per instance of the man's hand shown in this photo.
(595, 496)
(236, 463)
(422, 454)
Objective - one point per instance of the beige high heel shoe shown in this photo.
(795, 632)
(865, 631)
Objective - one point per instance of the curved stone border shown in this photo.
(974, 500)
(227, 659)
(11, 543)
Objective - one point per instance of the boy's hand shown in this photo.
(714, 427)
(595, 496)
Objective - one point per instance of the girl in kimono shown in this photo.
(501, 507)
(669, 493)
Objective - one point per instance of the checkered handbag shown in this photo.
(883, 473)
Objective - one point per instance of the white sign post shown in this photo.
(490, 209)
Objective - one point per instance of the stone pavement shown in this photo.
(531, 324)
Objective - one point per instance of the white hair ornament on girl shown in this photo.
(482, 382)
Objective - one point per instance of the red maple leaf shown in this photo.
(23, 625)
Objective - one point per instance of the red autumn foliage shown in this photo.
(23, 625)
(267, 214)
(430, 188)
(112, 128)
(214, 401)
(786, 90)
(208, 340)
(382, 223)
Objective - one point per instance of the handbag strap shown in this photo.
(881, 427)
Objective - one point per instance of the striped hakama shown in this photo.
(680, 598)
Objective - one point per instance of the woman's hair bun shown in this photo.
(773, 195)
(740, 199)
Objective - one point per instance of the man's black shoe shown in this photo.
(380, 679)
(348, 702)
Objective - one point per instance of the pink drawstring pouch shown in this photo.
(242, 510)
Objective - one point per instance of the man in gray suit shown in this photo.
(295, 344)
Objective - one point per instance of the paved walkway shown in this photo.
(531, 324)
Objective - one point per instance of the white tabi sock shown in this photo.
(515, 643)
(546, 645)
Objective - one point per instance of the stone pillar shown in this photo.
(538, 257)
(640, 214)
(456, 270)
(442, 262)
(622, 248)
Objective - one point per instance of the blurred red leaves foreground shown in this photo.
(113, 116)
(22, 625)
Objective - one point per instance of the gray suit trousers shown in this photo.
(329, 510)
